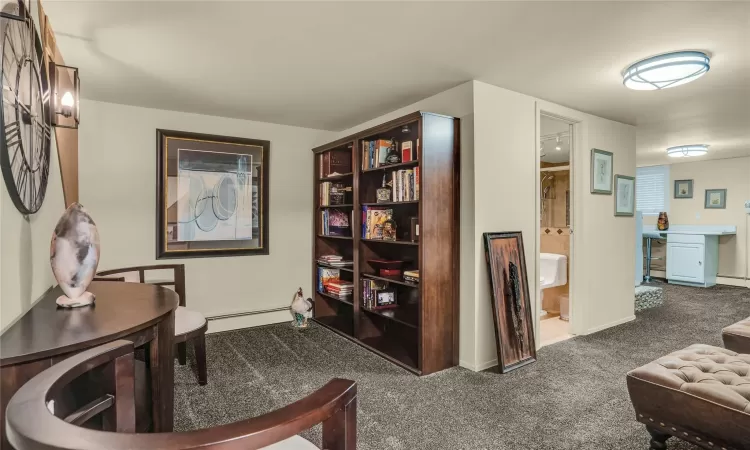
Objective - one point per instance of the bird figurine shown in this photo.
(74, 256)
(301, 309)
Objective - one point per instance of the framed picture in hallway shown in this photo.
(683, 188)
(624, 195)
(511, 304)
(716, 199)
(602, 163)
(212, 195)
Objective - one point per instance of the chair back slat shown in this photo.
(138, 274)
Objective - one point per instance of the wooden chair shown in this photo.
(49, 413)
(190, 326)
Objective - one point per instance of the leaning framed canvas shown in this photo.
(211, 195)
(624, 195)
(683, 188)
(602, 163)
(511, 304)
(716, 199)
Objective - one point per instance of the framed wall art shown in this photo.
(511, 304)
(683, 188)
(602, 164)
(716, 199)
(624, 195)
(211, 195)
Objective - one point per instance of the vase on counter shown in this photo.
(74, 256)
(663, 223)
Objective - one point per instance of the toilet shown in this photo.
(553, 271)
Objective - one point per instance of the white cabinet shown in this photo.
(692, 259)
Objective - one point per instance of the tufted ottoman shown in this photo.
(700, 394)
(737, 337)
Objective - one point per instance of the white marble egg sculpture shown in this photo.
(74, 256)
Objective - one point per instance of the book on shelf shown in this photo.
(335, 162)
(325, 276)
(407, 154)
(332, 194)
(405, 185)
(376, 295)
(335, 261)
(373, 219)
(412, 276)
(374, 153)
(330, 282)
(335, 222)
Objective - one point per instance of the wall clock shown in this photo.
(25, 114)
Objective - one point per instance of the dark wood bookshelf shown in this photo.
(421, 333)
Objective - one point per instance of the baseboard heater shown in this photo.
(246, 313)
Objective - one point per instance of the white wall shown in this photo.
(506, 182)
(117, 170)
(25, 272)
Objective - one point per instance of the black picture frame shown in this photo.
(214, 144)
(514, 330)
(688, 193)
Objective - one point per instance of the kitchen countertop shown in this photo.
(706, 230)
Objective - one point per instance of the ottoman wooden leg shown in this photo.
(182, 353)
(658, 439)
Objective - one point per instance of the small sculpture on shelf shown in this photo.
(384, 193)
(301, 309)
(74, 256)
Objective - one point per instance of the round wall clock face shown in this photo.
(25, 115)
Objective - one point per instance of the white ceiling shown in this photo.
(336, 64)
(548, 127)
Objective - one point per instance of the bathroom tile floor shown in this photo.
(553, 329)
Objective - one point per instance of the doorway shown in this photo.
(555, 188)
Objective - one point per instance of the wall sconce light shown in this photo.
(66, 96)
(13, 9)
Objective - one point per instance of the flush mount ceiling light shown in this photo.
(685, 151)
(666, 71)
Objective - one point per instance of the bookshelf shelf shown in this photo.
(333, 297)
(421, 333)
(338, 177)
(410, 202)
(328, 266)
(406, 317)
(383, 241)
(396, 280)
(392, 166)
(330, 236)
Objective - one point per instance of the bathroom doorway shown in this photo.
(555, 217)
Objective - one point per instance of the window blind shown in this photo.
(652, 189)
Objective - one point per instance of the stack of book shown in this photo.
(334, 261)
(335, 163)
(332, 194)
(405, 185)
(334, 223)
(412, 276)
(340, 289)
(373, 220)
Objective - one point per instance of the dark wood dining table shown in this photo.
(46, 335)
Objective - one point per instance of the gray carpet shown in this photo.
(574, 397)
